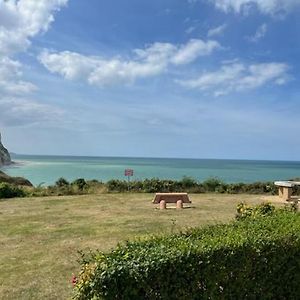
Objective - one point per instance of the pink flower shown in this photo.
(74, 280)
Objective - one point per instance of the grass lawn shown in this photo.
(40, 237)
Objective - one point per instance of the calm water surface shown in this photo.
(47, 169)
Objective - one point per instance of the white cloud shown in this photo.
(190, 29)
(237, 77)
(19, 22)
(194, 48)
(272, 7)
(259, 34)
(20, 112)
(10, 72)
(151, 61)
(98, 71)
(156, 53)
(22, 20)
(216, 31)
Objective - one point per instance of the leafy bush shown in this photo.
(80, 183)
(211, 184)
(61, 182)
(292, 206)
(188, 182)
(256, 258)
(10, 191)
(116, 185)
(246, 211)
(63, 188)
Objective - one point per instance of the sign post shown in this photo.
(128, 173)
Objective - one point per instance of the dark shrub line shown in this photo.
(190, 185)
(154, 185)
(10, 191)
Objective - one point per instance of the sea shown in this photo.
(46, 170)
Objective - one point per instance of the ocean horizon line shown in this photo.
(14, 154)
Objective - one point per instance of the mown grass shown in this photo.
(40, 237)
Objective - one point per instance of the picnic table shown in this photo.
(285, 188)
(163, 198)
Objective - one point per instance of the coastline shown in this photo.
(15, 163)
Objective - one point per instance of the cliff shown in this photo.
(4, 155)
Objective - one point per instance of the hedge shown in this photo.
(255, 258)
(187, 184)
(10, 191)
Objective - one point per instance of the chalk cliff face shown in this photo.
(4, 155)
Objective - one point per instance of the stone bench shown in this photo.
(285, 189)
(163, 198)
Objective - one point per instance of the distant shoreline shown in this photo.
(15, 164)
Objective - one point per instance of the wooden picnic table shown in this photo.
(163, 198)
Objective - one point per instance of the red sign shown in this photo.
(128, 172)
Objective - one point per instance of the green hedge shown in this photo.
(256, 258)
(62, 187)
(10, 191)
(187, 184)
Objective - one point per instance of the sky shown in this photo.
(159, 78)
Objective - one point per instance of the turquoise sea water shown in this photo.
(48, 169)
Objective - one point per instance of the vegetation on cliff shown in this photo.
(14, 180)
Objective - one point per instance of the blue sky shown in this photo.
(160, 78)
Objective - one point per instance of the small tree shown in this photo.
(80, 183)
(62, 182)
(211, 184)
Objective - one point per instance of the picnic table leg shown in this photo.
(287, 193)
(162, 204)
(280, 192)
(179, 204)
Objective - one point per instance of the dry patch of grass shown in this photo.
(40, 237)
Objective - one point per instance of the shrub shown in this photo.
(212, 184)
(61, 182)
(10, 191)
(116, 185)
(292, 206)
(80, 183)
(188, 182)
(236, 188)
(257, 258)
(246, 211)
